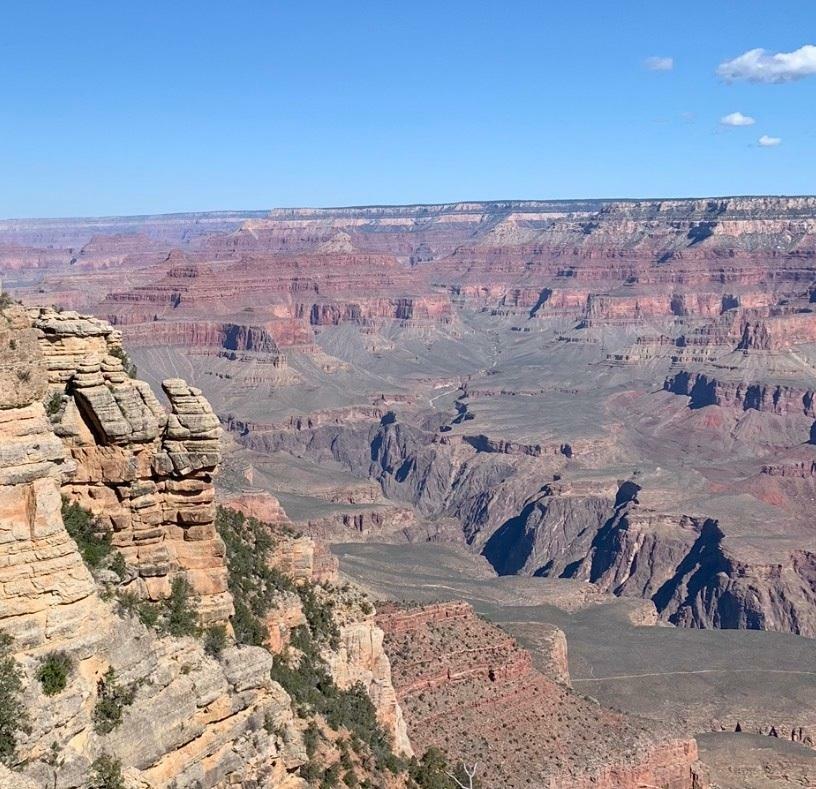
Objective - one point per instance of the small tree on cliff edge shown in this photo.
(465, 777)
(13, 717)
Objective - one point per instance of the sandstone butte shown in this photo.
(146, 474)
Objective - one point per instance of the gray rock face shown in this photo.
(526, 525)
(194, 721)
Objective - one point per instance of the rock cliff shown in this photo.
(146, 474)
(192, 720)
(358, 657)
(164, 708)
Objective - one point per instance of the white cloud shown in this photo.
(737, 119)
(659, 64)
(769, 142)
(759, 65)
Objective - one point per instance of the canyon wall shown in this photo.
(599, 533)
(669, 337)
(467, 687)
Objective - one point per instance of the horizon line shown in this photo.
(363, 206)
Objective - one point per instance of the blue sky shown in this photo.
(114, 108)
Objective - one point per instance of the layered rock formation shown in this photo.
(193, 720)
(613, 391)
(468, 688)
(167, 711)
(145, 474)
(779, 399)
(359, 657)
(45, 588)
(567, 326)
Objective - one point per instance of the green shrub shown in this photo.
(55, 760)
(254, 585)
(319, 615)
(53, 404)
(93, 545)
(311, 738)
(118, 565)
(215, 639)
(331, 777)
(111, 700)
(181, 616)
(148, 613)
(176, 615)
(432, 771)
(53, 672)
(106, 773)
(130, 604)
(13, 715)
(249, 629)
(270, 727)
(311, 772)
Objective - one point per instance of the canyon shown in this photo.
(609, 398)
(189, 634)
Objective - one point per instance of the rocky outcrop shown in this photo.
(358, 657)
(304, 559)
(681, 563)
(704, 390)
(257, 504)
(45, 588)
(185, 717)
(281, 619)
(146, 474)
(411, 311)
(467, 687)
(361, 658)
(371, 523)
(193, 721)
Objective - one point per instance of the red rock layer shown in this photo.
(467, 687)
(599, 262)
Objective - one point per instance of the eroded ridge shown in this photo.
(467, 687)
